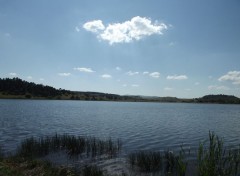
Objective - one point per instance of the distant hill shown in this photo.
(223, 99)
(17, 88)
(20, 89)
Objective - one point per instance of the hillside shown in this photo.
(16, 88)
(223, 99)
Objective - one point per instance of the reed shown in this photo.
(146, 161)
(72, 145)
(91, 170)
(215, 159)
(1, 153)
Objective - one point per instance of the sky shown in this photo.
(185, 49)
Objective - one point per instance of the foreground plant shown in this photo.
(146, 161)
(215, 160)
(20, 167)
(72, 145)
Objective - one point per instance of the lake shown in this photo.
(140, 126)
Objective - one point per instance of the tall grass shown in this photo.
(166, 162)
(72, 145)
(1, 153)
(91, 171)
(214, 159)
(146, 161)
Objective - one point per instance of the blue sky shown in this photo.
(184, 48)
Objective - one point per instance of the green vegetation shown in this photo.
(213, 159)
(146, 161)
(18, 89)
(163, 163)
(223, 99)
(72, 145)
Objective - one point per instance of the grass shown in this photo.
(91, 171)
(213, 159)
(21, 167)
(166, 162)
(146, 161)
(72, 145)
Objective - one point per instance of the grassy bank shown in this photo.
(212, 159)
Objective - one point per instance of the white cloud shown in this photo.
(233, 76)
(106, 76)
(177, 77)
(155, 74)
(135, 29)
(13, 74)
(82, 69)
(168, 88)
(196, 83)
(41, 79)
(188, 89)
(135, 85)
(216, 87)
(77, 29)
(118, 69)
(145, 73)
(94, 26)
(130, 73)
(64, 74)
(124, 85)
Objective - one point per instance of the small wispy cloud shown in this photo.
(41, 79)
(233, 76)
(125, 32)
(177, 77)
(12, 74)
(106, 76)
(196, 83)
(7, 35)
(77, 29)
(118, 68)
(135, 85)
(64, 74)
(172, 43)
(168, 88)
(124, 85)
(83, 69)
(131, 73)
(29, 77)
(155, 74)
(216, 87)
(145, 73)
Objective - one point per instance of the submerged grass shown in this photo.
(166, 163)
(72, 145)
(146, 161)
(91, 171)
(213, 159)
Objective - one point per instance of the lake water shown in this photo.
(140, 126)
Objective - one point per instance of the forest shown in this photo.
(16, 88)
